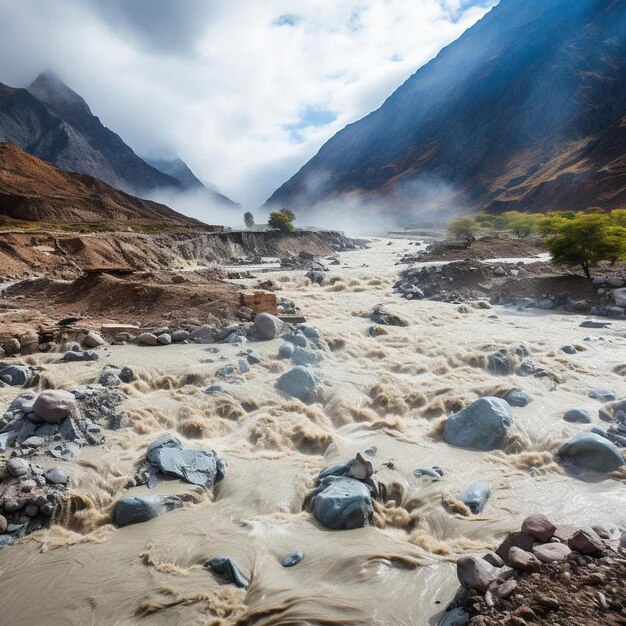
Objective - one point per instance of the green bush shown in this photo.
(282, 221)
(248, 219)
(463, 228)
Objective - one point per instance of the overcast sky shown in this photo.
(245, 91)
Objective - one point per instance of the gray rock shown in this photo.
(148, 339)
(3, 524)
(126, 375)
(17, 467)
(214, 389)
(433, 472)
(180, 335)
(291, 559)
(18, 374)
(34, 442)
(94, 340)
(500, 363)
(475, 496)
(12, 346)
(517, 397)
(604, 395)
(361, 468)
(198, 467)
(266, 326)
(228, 569)
(285, 350)
(594, 324)
(546, 304)
(297, 338)
(203, 334)
(619, 295)
(244, 367)
(592, 452)
(164, 339)
(310, 332)
(6, 540)
(252, 356)
(301, 356)
(315, 276)
(342, 503)
(54, 405)
(578, 416)
(57, 476)
(483, 425)
(454, 617)
(568, 349)
(87, 355)
(552, 552)
(136, 509)
(69, 431)
(298, 382)
(616, 281)
(109, 378)
(474, 573)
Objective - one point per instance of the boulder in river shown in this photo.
(54, 405)
(148, 339)
(483, 425)
(593, 452)
(285, 350)
(342, 503)
(577, 416)
(517, 397)
(15, 375)
(475, 496)
(474, 573)
(539, 527)
(79, 355)
(94, 340)
(266, 326)
(228, 569)
(298, 382)
(604, 395)
(300, 356)
(136, 509)
(198, 467)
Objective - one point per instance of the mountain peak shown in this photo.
(51, 90)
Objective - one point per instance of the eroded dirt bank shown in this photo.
(382, 386)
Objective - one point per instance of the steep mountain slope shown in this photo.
(33, 190)
(54, 123)
(525, 111)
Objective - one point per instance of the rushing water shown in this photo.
(390, 391)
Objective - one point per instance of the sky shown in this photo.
(244, 91)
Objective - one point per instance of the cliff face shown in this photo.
(525, 111)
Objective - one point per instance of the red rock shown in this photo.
(474, 573)
(523, 561)
(539, 527)
(585, 541)
(519, 540)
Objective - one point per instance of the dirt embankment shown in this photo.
(67, 255)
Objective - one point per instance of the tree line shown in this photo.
(582, 239)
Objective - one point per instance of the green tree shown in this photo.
(281, 221)
(524, 225)
(463, 228)
(289, 213)
(248, 219)
(584, 241)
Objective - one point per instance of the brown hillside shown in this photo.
(33, 190)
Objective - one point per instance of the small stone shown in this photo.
(493, 559)
(577, 416)
(227, 568)
(17, 467)
(361, 469)
(47, 509)
(57, 476)
(548, 602)
(539, 527)
(285, 350)
(291, 559)
(517, 397)
(94, 340)
(604, 395)
(504, 590)
(3, 524)
(568, 349)
(54, 405)
(180, 335)
(585, 541)
(523, 561)
(31, 510)
(148, 339)
(34, 442)
(473, 573)
(551, 552)
(164, 339)
(475, 496)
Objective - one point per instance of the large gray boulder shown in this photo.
(592, 452)
(54, 405)
(198, 467)
(136, 509)
(298, 382)
(94, 340)
(301, 356)
(15, 374)
(342, 503)
(266, 326)
(483, 425)
(619, 295)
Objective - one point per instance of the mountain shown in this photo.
(54, 123)
(525, 111)
(32, 189)
(178, 169)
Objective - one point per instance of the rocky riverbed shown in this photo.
(331, 472)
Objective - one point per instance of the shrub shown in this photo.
(248, 219)
(463, 228)
(281, 221)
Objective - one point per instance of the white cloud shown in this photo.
(225, 86)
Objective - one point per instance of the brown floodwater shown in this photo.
(390, 391)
